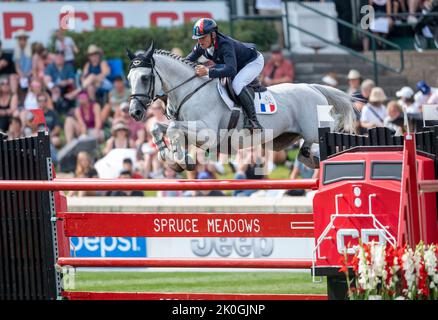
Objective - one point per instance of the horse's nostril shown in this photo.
(138, 113)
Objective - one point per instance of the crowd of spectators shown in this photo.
(84, 101)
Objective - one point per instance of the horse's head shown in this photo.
(141, 77)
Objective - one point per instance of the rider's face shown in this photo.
(206, 42)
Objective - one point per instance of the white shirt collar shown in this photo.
(210, 50)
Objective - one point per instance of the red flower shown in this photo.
(344, 265)
(422, 279)
(390, 254)
(355, 263)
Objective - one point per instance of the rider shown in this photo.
(234, 59)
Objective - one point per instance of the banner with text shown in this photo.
(40, 20)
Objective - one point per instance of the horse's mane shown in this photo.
(175, 57)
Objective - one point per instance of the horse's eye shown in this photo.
(144, 78)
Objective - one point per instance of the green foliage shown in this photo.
(115, 41)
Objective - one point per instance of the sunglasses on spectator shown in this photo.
(4, 83)
(42, 100)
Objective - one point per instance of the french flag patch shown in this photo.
(265, 103)
(270, 107)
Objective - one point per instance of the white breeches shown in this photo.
(248, 74)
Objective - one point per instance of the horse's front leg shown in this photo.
(184, 136)
(158, 131)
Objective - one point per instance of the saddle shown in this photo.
(254, 86)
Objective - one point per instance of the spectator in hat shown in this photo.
(23, 58)
(406, 100)
(424, 93)
(120, 138)
(330, 79)
(278, 69)
(59, 74)
(95, 71)
(85, 120)
(354, 80)
(67, 45)
(374, 112)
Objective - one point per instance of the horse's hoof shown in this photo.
(310, 162)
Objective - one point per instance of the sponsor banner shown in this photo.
(192, 247)
(230, 247)
(41, 19)
(114, 247)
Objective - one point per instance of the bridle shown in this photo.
(141, 61)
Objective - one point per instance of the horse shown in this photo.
(195, 106)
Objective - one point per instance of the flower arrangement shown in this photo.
(385, 272)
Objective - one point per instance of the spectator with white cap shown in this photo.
(374, 112)
(354, 80)
(407, 102)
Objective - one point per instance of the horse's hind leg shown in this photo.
(306, 157)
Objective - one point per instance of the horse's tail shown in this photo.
(343, 110)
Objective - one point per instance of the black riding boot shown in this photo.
(247, 103)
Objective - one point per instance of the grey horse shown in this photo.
(196, 107)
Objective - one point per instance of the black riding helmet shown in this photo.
(203, 27)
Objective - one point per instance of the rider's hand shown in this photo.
(201, 70)
(209, 63)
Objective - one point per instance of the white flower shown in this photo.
(409, 267)
(430, 261)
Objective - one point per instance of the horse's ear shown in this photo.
(130, 55)
(150, 51)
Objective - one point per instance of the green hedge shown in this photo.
(114, 41)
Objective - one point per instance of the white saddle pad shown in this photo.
(264, 102)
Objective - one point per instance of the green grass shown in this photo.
(200, 282)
